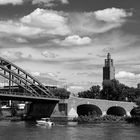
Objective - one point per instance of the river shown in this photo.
(61, 131)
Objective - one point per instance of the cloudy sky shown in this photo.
(65, 42)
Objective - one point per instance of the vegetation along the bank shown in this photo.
(107, 118)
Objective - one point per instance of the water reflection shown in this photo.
(71, 131)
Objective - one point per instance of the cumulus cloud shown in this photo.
(75, 89)
(49, 54)
(10, 54)
(35, 73)
(125, 74)
(112, 14)
(47, 78)
(74, 40)
(38, 23)
(14, 2)
(98, 21)
(51, 74)
(16, 28)
(64, 1)
(52, 22)
(44, 75)
(43, 22)
(49, 2)
(20, 40)
(128, 78)
(19, 53)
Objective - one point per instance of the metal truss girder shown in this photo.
(11, 76)
(8, 65)
(22, 79)
(5, 76)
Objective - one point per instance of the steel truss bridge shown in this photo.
(21, 84)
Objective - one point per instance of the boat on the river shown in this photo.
(45, 122)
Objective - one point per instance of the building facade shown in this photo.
(108, 71)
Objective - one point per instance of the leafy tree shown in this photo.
(93, 92)
(137, 93)
(113, 90)
(61, 93)
(119, 92)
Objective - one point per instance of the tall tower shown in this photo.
(108, 69)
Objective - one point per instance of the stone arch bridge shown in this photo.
(83, 106)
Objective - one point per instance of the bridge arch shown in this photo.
(116, 111)
(88, 109)
(135, 111)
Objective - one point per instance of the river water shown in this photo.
(101, 131)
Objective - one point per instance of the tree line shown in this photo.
(115, 91)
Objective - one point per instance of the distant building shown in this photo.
(138, 85)
(108, 71)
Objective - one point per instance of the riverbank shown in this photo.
(19, 116)
(105, 119)
(80, 119)
(15, 118)
(134, 119)
(6, 114)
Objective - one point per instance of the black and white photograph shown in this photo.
(69, 69)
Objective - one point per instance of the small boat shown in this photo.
(45, 122)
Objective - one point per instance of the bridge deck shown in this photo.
(27, 98)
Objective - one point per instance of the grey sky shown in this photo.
(67, 41)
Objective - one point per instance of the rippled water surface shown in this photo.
(102, 131)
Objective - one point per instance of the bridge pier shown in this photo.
(72, 113)
(104, 113)
(37, 110)
(128, 114)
